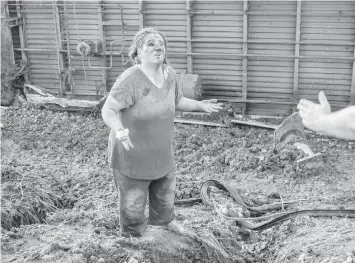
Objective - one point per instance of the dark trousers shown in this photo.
(133, 199)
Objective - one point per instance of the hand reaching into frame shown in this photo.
(314, 116)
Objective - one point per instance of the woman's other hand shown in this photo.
(210, 106)
(123, 136)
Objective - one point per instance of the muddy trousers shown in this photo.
(133, 199)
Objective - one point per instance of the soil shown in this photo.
(59, 203)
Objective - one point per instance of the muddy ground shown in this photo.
(59, 203)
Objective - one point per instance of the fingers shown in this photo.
(215, 109)
(123, 136)
(212, 108)
(306, 105)
(130, 143)
(302, 113)
(127, 144)
(299, 105)
(211, 100)
(324, 102)
(322, 98)
(214, 102)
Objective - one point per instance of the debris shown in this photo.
(43, 97)
(292, 126)
(131, 260)
(311, 157)
(255, 123)
(63, 102)
(40, 91)
(64, 247)
(79, 258)
(199, 122)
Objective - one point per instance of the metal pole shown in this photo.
(245, 52)
(206, 54)
(103, 39)
(352, 88)
(297, 53)
(22, 37)
(189, 35)
(58, 39)
(141, 4)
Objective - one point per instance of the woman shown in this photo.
(140, 111)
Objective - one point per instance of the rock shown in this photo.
(101, 260)
(20, 243)
(14, 235)
(326, 260)
(302, 257)
(132, 260)
(285, 154)
(253, 237)
(65, 247)
(79, 258)
(77, 186)
(270, 178)
(348, 260)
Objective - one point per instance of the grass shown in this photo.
(26, 199)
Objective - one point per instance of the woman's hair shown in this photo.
(138, 42)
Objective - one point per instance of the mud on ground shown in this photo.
(59, 203)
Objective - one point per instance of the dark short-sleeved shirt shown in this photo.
(149, 114)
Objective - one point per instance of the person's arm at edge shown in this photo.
(340, 124)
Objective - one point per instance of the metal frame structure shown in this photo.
(145, 14)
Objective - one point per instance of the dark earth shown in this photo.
(59, 203)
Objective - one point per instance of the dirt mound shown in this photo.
(244, 149)
(67, 151)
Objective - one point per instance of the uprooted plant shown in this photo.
(12, 80)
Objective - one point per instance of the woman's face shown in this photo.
(153, 49)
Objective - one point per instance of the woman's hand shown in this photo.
(123, 136)
(314, 116)
(210, 106)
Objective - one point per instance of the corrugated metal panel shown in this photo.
(268, 76)
(43, 66)
(216, 47)
(14, 30)
(171, 20)
(82, 24)
(218, 33)
(327, 23)
(114, 32)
